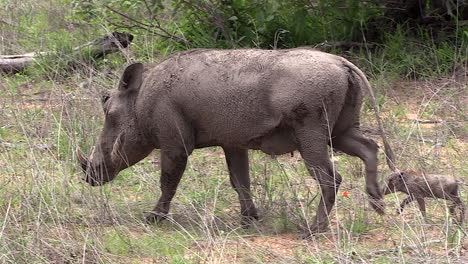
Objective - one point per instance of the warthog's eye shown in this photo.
(104, 98)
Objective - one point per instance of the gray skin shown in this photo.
(419, 187)
(276, 101)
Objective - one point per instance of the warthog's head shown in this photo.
(121, 143)
(395, 182)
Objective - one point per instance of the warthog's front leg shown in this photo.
(406, 201)
(172, 167)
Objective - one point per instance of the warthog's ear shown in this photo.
(132, 77)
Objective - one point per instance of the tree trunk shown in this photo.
(97, 49)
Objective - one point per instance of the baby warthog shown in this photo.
(418, 187)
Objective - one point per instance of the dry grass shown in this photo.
(48, 215)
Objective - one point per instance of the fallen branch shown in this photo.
(96, 49)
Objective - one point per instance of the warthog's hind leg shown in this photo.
(422, 206)
(457, 202)
(312, 141)
(238, 165)
(354, 143)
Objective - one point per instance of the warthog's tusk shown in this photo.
(116, 155)
(82, 159)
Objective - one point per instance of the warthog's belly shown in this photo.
(277, 142)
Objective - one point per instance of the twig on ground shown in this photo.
(396, 249)
(10, 24)
(426, 121)
(40, 146)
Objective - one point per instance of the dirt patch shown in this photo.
(252, 248)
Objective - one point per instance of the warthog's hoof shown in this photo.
(378, 205)
(155, 217)
(315, 230)
(248, 220)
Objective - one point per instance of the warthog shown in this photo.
(420, 186)
(276, 101)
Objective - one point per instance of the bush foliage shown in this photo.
(410, 38)
(427, 42)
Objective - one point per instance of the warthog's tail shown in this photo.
(390, 156)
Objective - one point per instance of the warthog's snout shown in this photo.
(95, 174)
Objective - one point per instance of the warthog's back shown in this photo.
(241, 94)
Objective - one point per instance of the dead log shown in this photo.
(96, 49)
